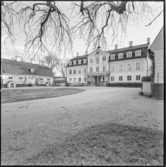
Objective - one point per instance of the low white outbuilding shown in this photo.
(17, 73)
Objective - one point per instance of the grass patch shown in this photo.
(15, 95)
(109, 144)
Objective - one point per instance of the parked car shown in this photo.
(67, 84)
(80, 84)
(74, 84)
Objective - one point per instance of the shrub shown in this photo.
(141, 93)
(125, 84)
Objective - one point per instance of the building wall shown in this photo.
(77, 75)
(159, 66)
(27, 79)
(125, 72)
(102, 63)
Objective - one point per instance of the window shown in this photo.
(79, 79)
(138, 77)
(138, 66)
(97, 60)
(91, 69)
(103, 78)
(112, 78)
(120, 56)
(129, 66)
(104, 68)
(97, 69)
(84, 70)
(84, 60)
(70, 71)
(120, 67)
(70, 63)
(129, 78)
(70, 79)
(74, 72)
(85, 79)
(20, 77)
(79, 61)
(120, 78)
(75, 62)
(91, 60)
(10, 77)
(138, 53)
(129, 54)
(48, 79)
(79, 71)
(112, 57)
(112, 67)
(74, 79)
(104, 58)
(32, 71)
(41, 78)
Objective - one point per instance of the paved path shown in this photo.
(30, 126)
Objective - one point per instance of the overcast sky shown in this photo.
(136, 33)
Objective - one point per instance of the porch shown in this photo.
(97, 78)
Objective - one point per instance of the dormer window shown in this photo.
(112, 57)
(70, 63)
(129, 54)
(74, 62)
(31, 70)
(138, 53)
(79, 61)
(84, 60)
(120, 56)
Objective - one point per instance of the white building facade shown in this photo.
(116, 66)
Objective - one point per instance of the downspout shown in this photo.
(147, 65)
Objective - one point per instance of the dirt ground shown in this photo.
(28, 127)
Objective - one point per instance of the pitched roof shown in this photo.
(128, 48)
(79, 57)
(16, 67)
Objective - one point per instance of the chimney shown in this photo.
(130, 43)
(77, 54)
(31, 60)
(148, 40)
(116, 46)
(18, 59)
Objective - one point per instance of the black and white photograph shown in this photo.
(82, 83)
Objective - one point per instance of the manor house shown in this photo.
(115, 66)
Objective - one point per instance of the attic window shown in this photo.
(10, 77)
(32, 70)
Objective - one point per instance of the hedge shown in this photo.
(125, 84)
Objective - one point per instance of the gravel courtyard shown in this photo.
(28, 127)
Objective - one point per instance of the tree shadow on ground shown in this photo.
(107, 144)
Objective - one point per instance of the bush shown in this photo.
(125, 84)
(30, 84)
(146, 79)
(141, 93)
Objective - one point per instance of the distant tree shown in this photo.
(61, 67)
(50, 60)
